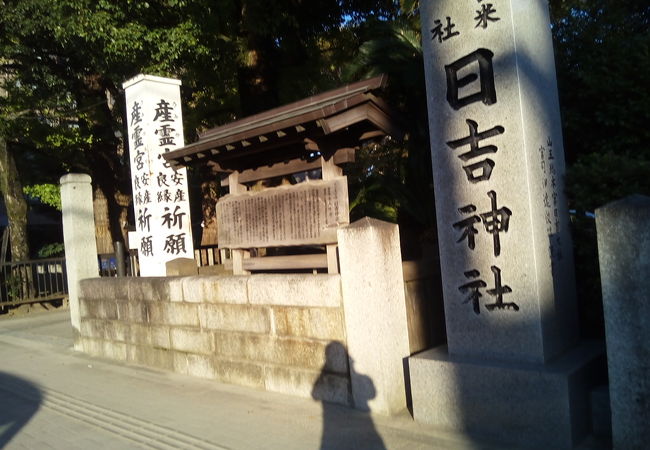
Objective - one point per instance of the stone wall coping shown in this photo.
(301, 290)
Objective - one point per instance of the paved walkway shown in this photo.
(53, 397)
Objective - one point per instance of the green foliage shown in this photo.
(602, 57)
(49, 194)
(376, 181)
(603, 62)
(13, 285)
(64, 61)
(599, 178)
(409, 6)
(68, 59)
(51, 250)
(393, 180)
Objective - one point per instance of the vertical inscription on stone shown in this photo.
(551, 199)
(160, 199)
(502, 221)
(307, 213)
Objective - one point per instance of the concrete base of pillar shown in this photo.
(520, 404)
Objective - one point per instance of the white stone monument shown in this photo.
(160, 195)
(505, 248)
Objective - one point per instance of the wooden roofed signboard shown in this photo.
(338, 119)
(320, 132)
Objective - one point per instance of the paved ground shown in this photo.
(53, 397)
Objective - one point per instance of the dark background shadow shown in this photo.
(19, 401)
(342, 428)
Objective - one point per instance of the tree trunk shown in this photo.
(257, 73)
(103, 156)
(109, 179)
(12, 193)
(209, 198)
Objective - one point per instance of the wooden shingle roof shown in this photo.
(315, 126)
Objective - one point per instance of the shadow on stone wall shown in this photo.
(340, 428)
(19, 402)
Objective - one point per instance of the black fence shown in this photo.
(125, 263)
(116, 265)
(122, 263)
(45, 280)
(33, 281)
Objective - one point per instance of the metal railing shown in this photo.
(119, 264)
(42, 280)
(33, 281)
(123, 263)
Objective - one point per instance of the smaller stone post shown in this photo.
(624, 253)
(375, 314)
(78, 238)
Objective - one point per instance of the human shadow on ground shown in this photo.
(19, 402)
(345, 428)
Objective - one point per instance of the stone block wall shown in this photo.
(282, 333)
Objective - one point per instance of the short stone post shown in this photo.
(79, 239)
(624, 253)
(375, 314)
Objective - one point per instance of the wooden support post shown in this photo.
(236, 254)
(332, 260)
(331, 170)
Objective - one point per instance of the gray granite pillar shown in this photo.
(624, 253)
(510, 370)
(498, 169)
(79, 238)
(375, 314)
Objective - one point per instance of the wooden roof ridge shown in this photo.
(307, 105)
(349, 115)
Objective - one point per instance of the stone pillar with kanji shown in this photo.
(502, 218)
(160, 194)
